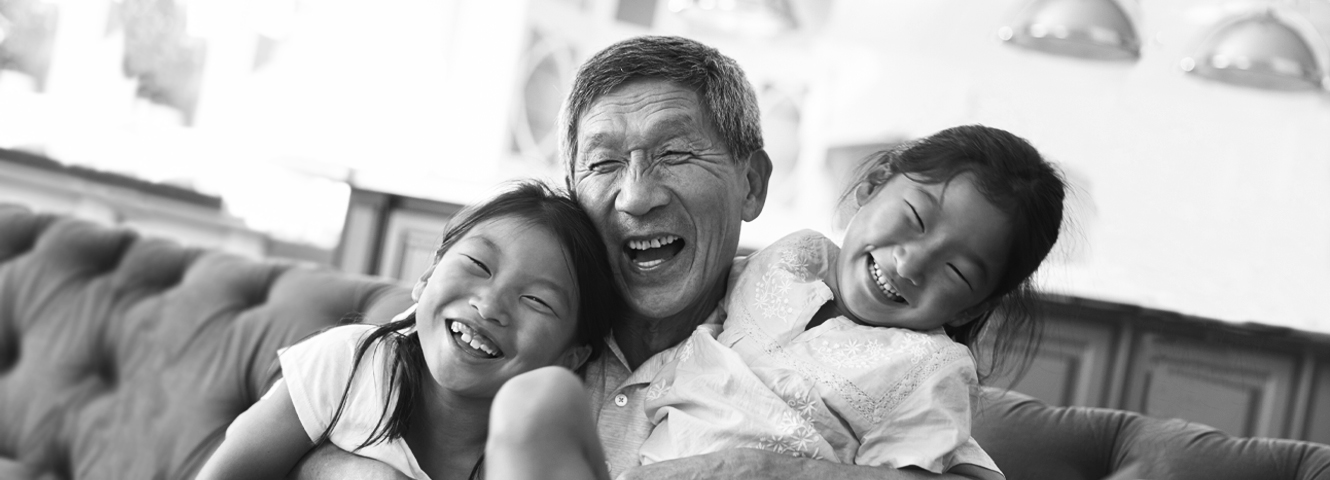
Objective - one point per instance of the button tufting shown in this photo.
(9, 349)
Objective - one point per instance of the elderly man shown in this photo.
(664, 150)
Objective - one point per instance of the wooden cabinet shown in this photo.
(1243, 379)
(392, 236)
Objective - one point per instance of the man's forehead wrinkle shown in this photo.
(673, 122)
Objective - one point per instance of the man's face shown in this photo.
(666, 194)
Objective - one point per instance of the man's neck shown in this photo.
(639, 336)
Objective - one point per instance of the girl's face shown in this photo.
(501, 301)
(920, 256)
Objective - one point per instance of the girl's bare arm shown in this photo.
(264, 442)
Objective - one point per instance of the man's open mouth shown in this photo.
(648, 253)
(882, 284)
(473, 341)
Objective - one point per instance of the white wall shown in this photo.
(1193, 196)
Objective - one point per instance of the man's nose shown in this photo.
(641, 190)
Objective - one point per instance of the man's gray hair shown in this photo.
(727, 98)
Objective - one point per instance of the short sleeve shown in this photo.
(928, 426)
(316, 373)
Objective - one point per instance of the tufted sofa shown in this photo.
(124, 357)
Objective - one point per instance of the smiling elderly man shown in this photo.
(663, 145)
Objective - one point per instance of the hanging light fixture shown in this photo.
(1095, 29)
(1264, 49)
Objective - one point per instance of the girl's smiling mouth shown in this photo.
(883, 285)
(473, 341)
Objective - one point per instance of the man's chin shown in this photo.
(658, 301)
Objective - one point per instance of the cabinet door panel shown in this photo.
(1318, 418)
(1239, 390)
(410, 241)
(1072, 364)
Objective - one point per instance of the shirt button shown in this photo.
(620, 399)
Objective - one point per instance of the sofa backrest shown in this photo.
(127, 357)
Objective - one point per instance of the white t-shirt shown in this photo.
(316, 371)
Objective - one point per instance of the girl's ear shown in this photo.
(575, 357)
(876, 178)
(864, 192)
(420, 284)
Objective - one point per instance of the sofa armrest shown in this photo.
(1032, 440)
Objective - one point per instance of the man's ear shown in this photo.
(757, 173)
(420, 284)
(575, 357)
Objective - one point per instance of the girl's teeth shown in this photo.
(469, 337)
(881, 281)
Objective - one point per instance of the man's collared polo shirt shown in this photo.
(617, 398)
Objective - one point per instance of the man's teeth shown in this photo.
(470, 337)
(653, 243)
(882, 284)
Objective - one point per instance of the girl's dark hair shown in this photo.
(598, 299)
(1011, 174)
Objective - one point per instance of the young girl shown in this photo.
(521, 282)
(858, 353)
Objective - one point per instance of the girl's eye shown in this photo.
(478, 264)
(539, 304)
(961, 275)
(917, 218)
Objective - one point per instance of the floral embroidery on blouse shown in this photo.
(796, 435)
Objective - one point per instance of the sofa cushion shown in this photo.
(125, 357)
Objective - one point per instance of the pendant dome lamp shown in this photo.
(1094, 29)
(1268, 48)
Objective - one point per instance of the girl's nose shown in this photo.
(911, 262)
(640, 190)
(489, 308)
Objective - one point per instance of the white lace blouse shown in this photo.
(840, 391)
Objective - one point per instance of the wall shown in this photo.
(1192, 196)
